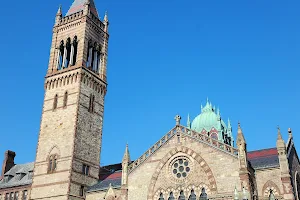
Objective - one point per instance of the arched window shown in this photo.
(75, 46)
(65, 99)
(89, 55)
(203, 195)
(91, 103)
(271, 196)
(181, 196)
(94, 56)
(171, 197)
(161, 196)
(55, 102)
(68, 56)
(60, 55)
(52, 163)
(192, 196)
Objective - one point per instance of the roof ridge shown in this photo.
(262, 149)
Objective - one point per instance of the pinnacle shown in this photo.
(279, 136)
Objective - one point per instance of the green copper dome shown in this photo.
(207, 120)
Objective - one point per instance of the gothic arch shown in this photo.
(270, 185)
(53, 151)
(193, 154)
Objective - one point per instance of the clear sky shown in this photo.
(165, 58)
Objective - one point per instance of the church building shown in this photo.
(197, 160)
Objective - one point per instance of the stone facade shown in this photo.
(197, 161)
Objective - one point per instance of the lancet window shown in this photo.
(55, 102)
(52, 163)
(94, 57)
(181, 196)
(171, 197)
(203, 195)
(91, 103)
(161, 196)
(192, 196)
(65, 99)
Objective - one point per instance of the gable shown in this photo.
(181, 131)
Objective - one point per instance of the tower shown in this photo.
(69, 144)
(284, 167)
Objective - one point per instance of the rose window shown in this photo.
(181, 168)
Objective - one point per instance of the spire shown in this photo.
(279, 136)
(78, 6)
(188, 121)
(240, 136)
(126, 157)
(59, 12)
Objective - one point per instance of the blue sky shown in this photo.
(165, 58)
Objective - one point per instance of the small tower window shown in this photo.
(85, 169)
(25, 193)
(16, 195)
(55, 102)
(65, 99)
(52, 164)
(91, 103)
(81, 192)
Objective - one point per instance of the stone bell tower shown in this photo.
(69, 144)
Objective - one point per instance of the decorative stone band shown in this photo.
(178, 130)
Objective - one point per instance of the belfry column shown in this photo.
(72, 54)
(284, 168)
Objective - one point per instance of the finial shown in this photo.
(218, 112)
(188, 121)
(279, 133)
(207, 101)
(87, 2)
(59, 12)
(201, 108)
(229, 124)
(177, 119)
(106, 17)
(290, 133)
